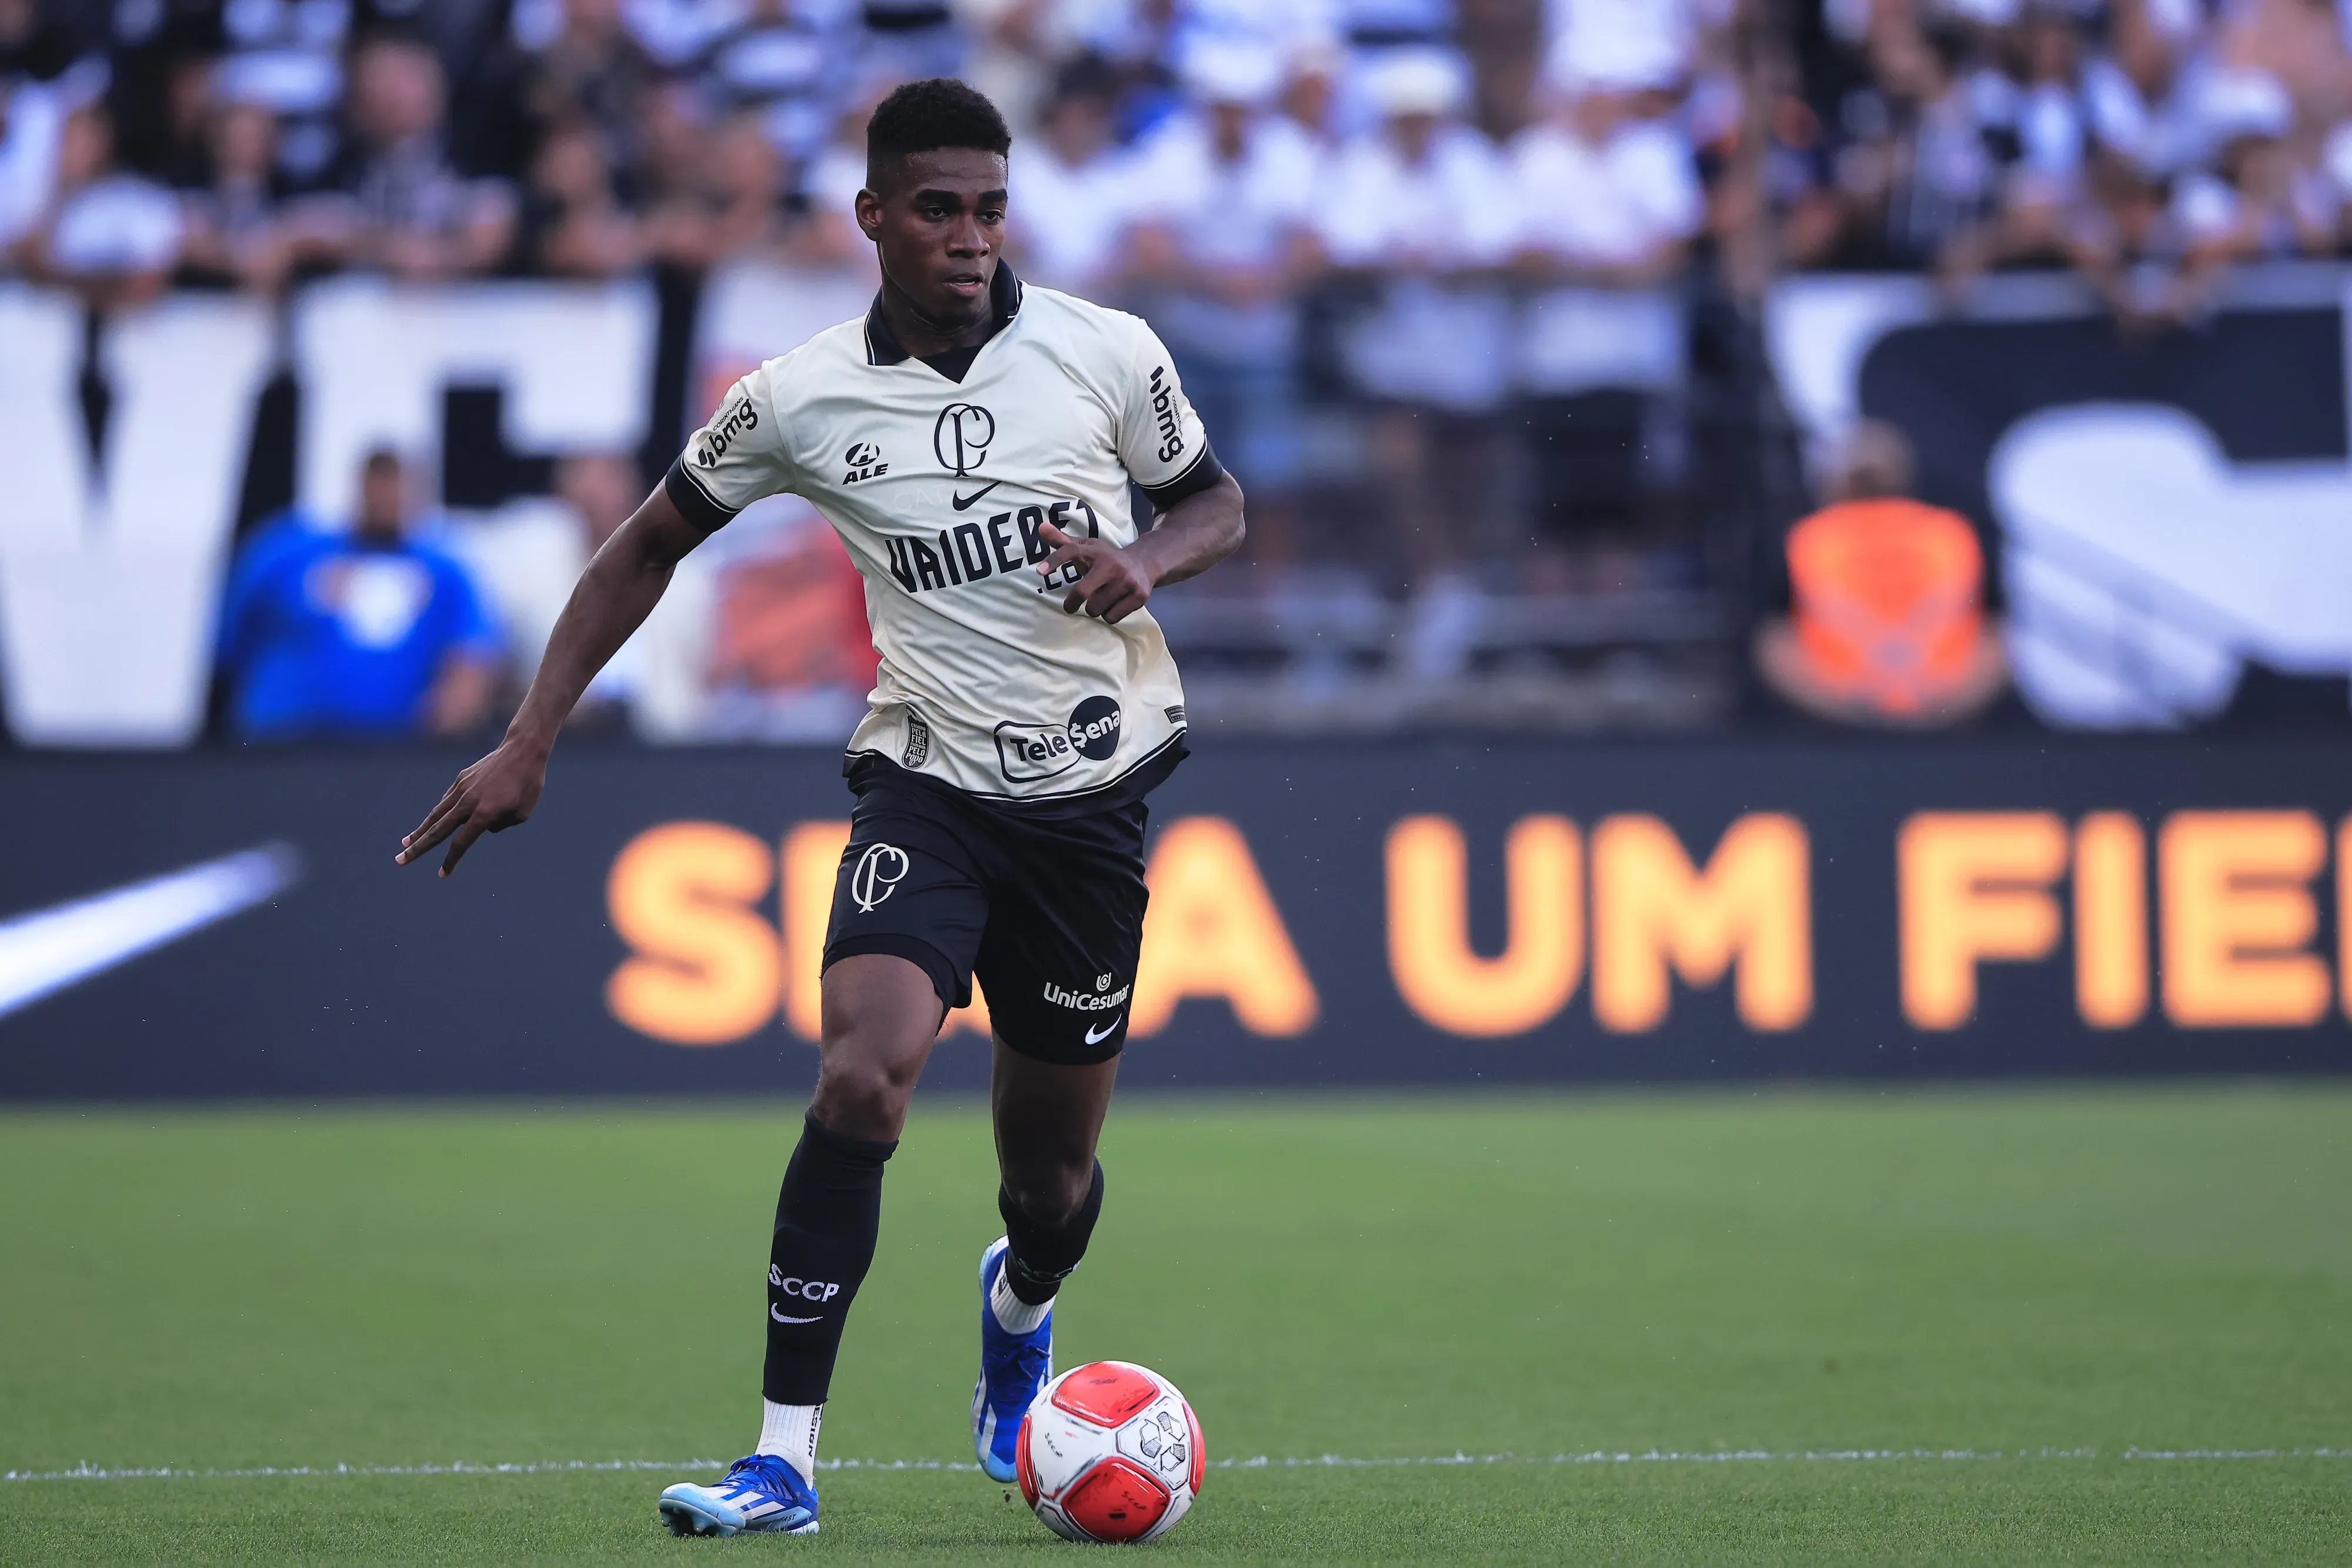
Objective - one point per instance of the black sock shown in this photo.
(1041, 1257)
(827, 1218)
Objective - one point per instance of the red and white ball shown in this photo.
(1111, 1452)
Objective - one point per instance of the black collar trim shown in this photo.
(882, 345)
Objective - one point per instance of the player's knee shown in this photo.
(866, 1097)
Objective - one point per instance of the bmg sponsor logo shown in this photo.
(1163, 409)
(722, 434)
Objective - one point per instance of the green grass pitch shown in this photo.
(2028, 1296)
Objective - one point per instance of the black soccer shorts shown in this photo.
(1048, 913)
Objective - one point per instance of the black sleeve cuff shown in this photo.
(687, 493)
(1204, 472)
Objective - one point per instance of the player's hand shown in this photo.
(1112, 584)
(490, 797)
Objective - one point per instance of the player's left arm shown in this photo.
(1189, 538)
(1163, 448)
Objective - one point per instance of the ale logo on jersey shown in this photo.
(1028, 752)
(865, 462)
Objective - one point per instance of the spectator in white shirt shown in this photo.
(1310, 92)
(1222, 198)
(32, 118)
(2052, 136)
(1609, 204)
(1069, 188)
(110, 237)
(1420, 207)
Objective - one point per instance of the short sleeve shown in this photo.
(737, 458)
(1160, 439)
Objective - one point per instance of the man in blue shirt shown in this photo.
(358, 635)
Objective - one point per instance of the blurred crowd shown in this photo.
(1430, 268)
(1440, 143)
(2148, 144)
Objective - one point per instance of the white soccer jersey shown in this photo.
(940, 488)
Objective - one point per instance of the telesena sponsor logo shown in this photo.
(1028, 752)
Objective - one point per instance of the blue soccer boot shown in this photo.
(762, 1492)
(1012, 1368)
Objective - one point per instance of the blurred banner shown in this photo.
(2167, 511)
(233, 924)
(131, 448)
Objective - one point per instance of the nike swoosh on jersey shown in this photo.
(781, 1319)
(964, 501)
(1094, 1038)
(46, 950)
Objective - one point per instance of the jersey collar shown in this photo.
(882, 345)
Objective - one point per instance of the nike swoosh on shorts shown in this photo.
(1097, 1039)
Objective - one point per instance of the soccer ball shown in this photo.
(1109, 1452)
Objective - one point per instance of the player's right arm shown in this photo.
(732, 461)
(611, 600)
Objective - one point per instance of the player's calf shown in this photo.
(1020, 1275)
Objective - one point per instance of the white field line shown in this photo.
(88, 1472)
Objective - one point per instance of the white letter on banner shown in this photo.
(108, 583)
(375, 358)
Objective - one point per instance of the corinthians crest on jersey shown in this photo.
(941, 489)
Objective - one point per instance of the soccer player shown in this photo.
(973, 442)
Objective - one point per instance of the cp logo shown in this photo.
(879, 871)
(960, 436)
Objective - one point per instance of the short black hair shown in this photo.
(925, 116)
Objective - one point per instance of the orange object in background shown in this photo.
(792, 617)
(1888, 614)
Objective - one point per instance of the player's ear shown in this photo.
(868, 207)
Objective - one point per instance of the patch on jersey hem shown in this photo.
(1165, 756)
(919, 741)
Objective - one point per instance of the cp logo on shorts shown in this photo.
(879, 871)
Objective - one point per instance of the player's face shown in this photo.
(939, 227)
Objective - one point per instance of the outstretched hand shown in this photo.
(1112, 583)
(490, 797)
